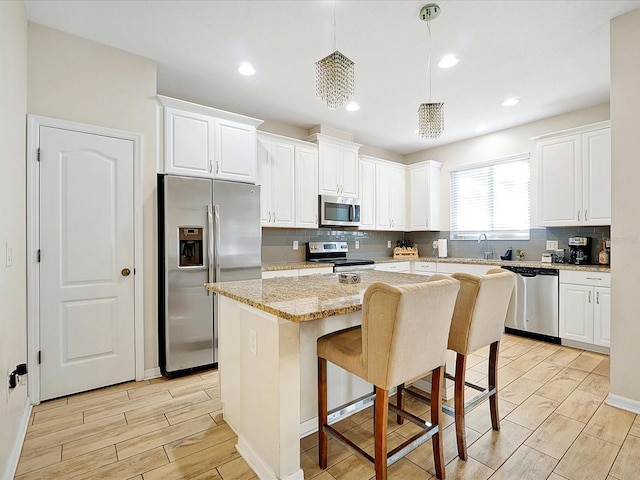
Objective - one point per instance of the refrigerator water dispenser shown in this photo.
(191, 247)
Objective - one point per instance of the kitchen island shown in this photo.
(267, 344)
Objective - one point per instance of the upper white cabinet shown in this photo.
(200, 141)
(306, 185)
(275, 176)
(575, 176)
(390, 197)
(337, 166)
(424, 196)
(367, 194)
(288, 175)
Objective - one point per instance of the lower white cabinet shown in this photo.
(585, 307)
(306, 186)
(398, 267)
(449, 268)
(296, 272)
(423, 268)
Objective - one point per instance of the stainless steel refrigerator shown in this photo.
(208, 231)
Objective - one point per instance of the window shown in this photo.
(491, 197)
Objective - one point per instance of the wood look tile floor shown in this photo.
(555, 425)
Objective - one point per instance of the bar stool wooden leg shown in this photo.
(322, 412)
(493, 383)
(380, 434)
(400, 402)
(437, 379)
(461, 364)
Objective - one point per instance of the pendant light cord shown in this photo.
(429, 62)
(334, 26)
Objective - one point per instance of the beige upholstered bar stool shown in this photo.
(478, 320)
(403, 335)
(482, 306)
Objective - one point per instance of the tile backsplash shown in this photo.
(277, 243)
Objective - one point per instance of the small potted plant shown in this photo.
(519, 253)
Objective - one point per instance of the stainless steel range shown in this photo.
(336, 253)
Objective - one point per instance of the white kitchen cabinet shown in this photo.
(585, 307)
(397, 267)
(306, 186)
(473, 269)
(235, 151)
(337, 166)
(367, 194)
(423, 268)
(276, 178)
(280, 273)
(188, 143)
(201, 141)
(302, 272)
(575, 176)
(424, 196)
(390, 196)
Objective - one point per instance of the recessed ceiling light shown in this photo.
(246, 69)
(481, 128)
(448, 61)
(353, 106)
(510, 102)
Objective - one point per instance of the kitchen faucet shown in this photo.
(487, 253)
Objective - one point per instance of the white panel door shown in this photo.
(282, 164)
(561, 181)
(602, 317)
(597, 177)
(306, 187)
(87, 262)
(398, 197)
(383, 198)
(368, 195)
(188, 143)
(576, 312)
(329, 169)
(349, 167)
(235, 151)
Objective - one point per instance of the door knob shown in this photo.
(125, 272)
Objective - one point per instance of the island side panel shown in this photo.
(229, 364)
(266, 387)
(342, 386)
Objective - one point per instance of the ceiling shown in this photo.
(553, 55)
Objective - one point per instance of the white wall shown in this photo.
(75, 79)
(625, 221)
(13, 326)
(501, 144)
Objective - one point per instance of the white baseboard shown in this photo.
(12, 464)
(150, 373)
(258, 465)
(623, 403)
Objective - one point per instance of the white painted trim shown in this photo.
(206, 110)
(14, 457)
(623, 403)
(584, 346)
(258, 465)
(573, 131)
(152, 373)
(34, 122)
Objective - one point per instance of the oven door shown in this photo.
(339, 211)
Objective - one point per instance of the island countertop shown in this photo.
(300, 299)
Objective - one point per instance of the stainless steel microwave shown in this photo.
(339, 211)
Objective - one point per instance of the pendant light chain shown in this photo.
(430, 115)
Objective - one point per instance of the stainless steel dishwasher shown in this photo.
(536, 306)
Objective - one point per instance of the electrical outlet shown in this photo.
(552, 245)
(434, 244)
(357, 244)
(253, 341)
(388, 243)
(295, 244)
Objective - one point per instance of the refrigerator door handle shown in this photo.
(210, 245)
(216, 244)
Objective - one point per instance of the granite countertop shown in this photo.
(470, 261)
(300, 299)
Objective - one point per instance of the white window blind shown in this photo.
(491, 197)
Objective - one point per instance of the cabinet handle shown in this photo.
(594, 278)
(217, 167)
(578, 215)
(589, 297)
(210, 166)
(585, 216)
(427, 223)
(337, 188)
(598, 298)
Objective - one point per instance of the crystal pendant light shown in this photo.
(430, 115)
(335, 76)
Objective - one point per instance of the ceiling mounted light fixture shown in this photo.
(448, 61)
(430, 115)
(246, 69)
(510, 102)
(335, 76)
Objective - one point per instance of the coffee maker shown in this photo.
(580, 249)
